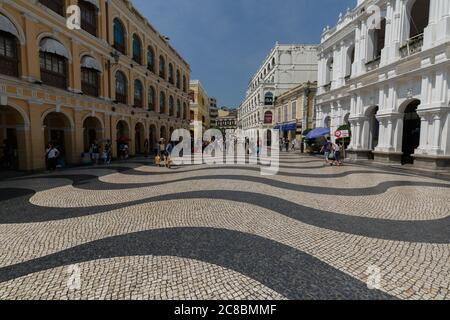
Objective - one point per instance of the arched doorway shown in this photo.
(139, 138)
(411, 132)
(152, 137)
(58, 131)
(170, 133)
(123, 137)
(93, 131)
(12, 139)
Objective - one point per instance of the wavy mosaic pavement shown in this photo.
(310, 232)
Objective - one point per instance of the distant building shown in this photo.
(284, 68)
(226, 120)
(213, 111)
(294, 111)
(199, 105)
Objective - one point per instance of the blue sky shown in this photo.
(225, 41)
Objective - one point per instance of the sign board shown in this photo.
(342, 134)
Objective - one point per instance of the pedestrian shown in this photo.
(107, 153)
(337, 154)
(168, 153)
(8, 154)
(162, 150)
(327, 148)
(95, 152)
(51, 156)
(146, 148)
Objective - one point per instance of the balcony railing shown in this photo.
(412, 46)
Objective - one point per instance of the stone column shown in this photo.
(37, 142)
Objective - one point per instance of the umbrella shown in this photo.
(317, 133)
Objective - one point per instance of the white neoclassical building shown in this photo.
(285, 67)
(384, 69)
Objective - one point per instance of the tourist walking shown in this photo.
(168, 153)
(327, 148)
(337, 154)
(95, 152)
(52, 154)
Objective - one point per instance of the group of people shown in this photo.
(163, 154)
(288, 145)
(332, 152)
(96, 153)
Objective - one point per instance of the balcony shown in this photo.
(374, 64)
(412, 46)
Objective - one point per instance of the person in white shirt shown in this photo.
(52, 155)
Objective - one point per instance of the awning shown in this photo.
(7, 26)
(277, 127)
(317, 133)
(94, 2)
(90, 63)
(52, 46)
(289, 127)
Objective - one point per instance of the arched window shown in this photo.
(162, 102)
(119, 36)
(171, 106)
(151, 99)
(329, 72)
(268, 99)
(90, 76)
(9, 53)
(53, 63)
(178, 109)
(184, 84)
(54, 5)
(350, 61)
(162, 67)
(121, 88)
(88, 17)
(137, 50)
(178, 79)
(419, 17)
(377, 38)
(150, 59)
(171, 78)
(138, 94)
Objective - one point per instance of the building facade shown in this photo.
(226, 120)
(115, 79)
(386, 72)
(199, 107)
(294, 111)
(213, 112)
(284, 68)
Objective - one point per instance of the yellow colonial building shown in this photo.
(114, 79)
(294, 111)
(199, 105)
